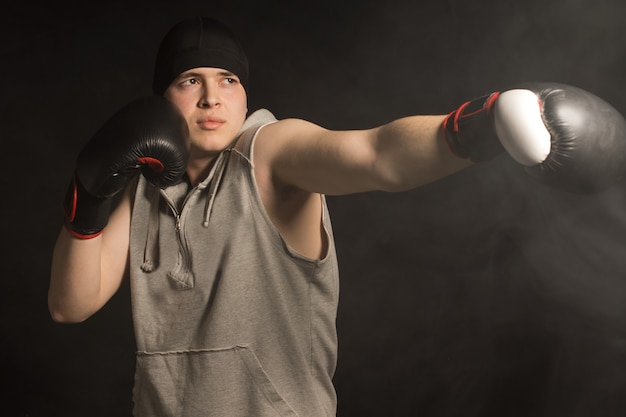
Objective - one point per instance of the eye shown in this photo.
(230, 80)
(190, 81)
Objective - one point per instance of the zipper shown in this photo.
(185, 264)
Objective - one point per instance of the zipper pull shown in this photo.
(178, 222)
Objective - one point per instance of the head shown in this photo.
(203, 69)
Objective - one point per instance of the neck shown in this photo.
(199, 167)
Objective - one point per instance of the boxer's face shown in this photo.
(214, 103)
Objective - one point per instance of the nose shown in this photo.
(208, 98)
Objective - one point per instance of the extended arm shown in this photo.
(563, 135)
(397, 156)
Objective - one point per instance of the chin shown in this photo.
(207, 148)
(212, 143)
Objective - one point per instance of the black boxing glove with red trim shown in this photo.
(564, 136)
(470, 131)
(149, 135)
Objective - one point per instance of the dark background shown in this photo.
(484, 294)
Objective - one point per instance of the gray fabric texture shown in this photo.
(229, 320)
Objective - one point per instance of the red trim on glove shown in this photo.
(491, 99)
(153, 163)
(70, 212)
(81, 236)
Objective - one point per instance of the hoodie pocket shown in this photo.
(226, 382)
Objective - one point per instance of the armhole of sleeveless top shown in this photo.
(247, 145)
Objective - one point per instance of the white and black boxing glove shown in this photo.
(564, 136)
(149, 135)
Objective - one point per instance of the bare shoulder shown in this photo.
(295, 211)
(285, 143)
(275, 143)
(287, 133)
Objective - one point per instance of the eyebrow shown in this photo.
(197, 74)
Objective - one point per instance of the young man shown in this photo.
(226, 236)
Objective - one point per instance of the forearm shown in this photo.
(85, 273)
(412, 151)
(75, 280)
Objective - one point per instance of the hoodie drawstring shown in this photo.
(151, 250)
(181, 276)
(217, 174)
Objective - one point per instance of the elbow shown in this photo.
(392, 180)
(389, 173)
(64, 318)
(395, 177)
(62, 315)
(395, 185)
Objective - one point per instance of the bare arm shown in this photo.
(89, 264)
(397, 156)
(86, 273)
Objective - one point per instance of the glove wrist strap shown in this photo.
(470, 131)
(85, 215)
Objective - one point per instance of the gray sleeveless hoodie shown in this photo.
(229, 320)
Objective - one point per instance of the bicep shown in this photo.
(315, 159)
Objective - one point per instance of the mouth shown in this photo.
(210, 123)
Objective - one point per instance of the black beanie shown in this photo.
(198, 42)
